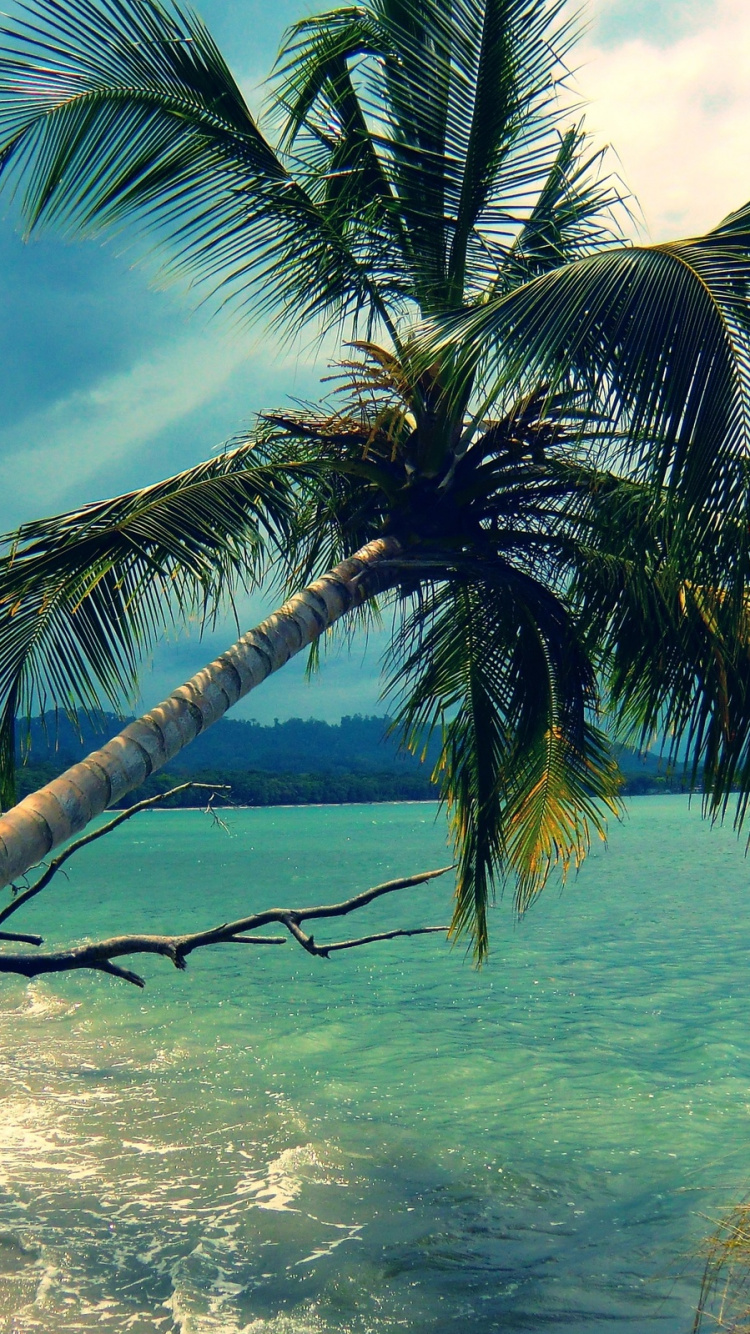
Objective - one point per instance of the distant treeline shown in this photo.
(294, 763)
(255, 788)
(649, 784)
(357, 744)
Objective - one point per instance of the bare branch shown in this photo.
(325, 950)
(99, 955)
(19, 935)
(54, 866)
(124, 973)
(369, 895)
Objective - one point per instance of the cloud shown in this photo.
(53, 453)
(51, 457)
(677, 113)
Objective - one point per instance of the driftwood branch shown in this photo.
(323, 951)
(99, 955)
(22, 896)
(21, 936)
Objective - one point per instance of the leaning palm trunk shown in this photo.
(50, 815)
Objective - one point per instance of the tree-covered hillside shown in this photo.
(296, 762)
(357, 744)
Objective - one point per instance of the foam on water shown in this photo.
(272, 1144)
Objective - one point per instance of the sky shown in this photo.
(106, 384)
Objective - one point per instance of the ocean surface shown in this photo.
(389, 1140)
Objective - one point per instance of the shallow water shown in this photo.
(387, 1140)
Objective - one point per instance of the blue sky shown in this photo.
(106, 384)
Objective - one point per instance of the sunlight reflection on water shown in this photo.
(388, 1140)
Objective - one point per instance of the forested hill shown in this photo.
(297, 762)
(292, 762)
(301, 745)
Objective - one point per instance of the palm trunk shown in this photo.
(52, 814)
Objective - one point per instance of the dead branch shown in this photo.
(23, 896)
(323, 951)
(99, 955)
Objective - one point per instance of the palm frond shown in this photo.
(524, 771)
(436, 124)
(472, 97)
(579, 210)
(509, 60)
(673, 648)
(84, 594)
(444, 680)
(126, 110)
(658, 338)
(324, 118)
(657, 341)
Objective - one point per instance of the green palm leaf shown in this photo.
(673, 648)
(84, 594)
(127, 110)
(657, 339)
(577, 212)
(525, 772)
(437, 125)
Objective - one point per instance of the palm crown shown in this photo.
(551, 423)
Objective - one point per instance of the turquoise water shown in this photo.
(386, 1141)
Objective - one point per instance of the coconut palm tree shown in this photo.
(535, 448)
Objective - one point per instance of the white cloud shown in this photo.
(678, 115)
(53, 452)
(50, 458)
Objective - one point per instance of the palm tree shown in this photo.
(535, 448)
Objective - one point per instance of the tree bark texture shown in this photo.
(52, 814)
(98, 955)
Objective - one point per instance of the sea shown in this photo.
(388, 1139)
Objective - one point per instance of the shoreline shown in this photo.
(318, 805)
(294, 805)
